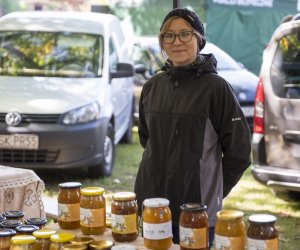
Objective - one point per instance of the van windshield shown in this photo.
(51, 54)
(285, 71)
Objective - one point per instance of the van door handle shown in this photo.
(292, 136)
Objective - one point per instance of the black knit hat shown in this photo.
(192, 18)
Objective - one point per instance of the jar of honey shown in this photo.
(230, 230)
(193, 227)
(5, 238)
(2, 218)
(11, 224)
(75, 247)
(22, 242)
(42, 239)
(92, 211)
(14, 215)
(124, 217)
(59, 240)
(68, 199)
(262, 233)
(39, 222)
(26, 229)
(101, 245)
(82, 240)
(157, 224)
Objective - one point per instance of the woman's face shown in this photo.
(181, 53)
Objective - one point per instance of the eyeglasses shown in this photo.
(184, 36)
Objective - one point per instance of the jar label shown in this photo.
(254, 244)
(69, 212)
(157, 231)
(193, 238)
(124, 224)
(92, 217)
(233, 243)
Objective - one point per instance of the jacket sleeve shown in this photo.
(142, 126)
(235, 137)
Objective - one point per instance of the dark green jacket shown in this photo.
(195, 136)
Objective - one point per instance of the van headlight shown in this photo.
(84, 114)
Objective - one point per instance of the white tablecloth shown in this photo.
(21, 189)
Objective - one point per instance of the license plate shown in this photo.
(248, 111)
(19, 141)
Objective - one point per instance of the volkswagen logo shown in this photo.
(13, 118)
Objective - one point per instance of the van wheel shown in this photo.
(106, 167)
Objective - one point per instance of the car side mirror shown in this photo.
(140, 68)
(123, 70)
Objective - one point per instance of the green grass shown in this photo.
(248, 195)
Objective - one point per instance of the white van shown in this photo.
(66, 90)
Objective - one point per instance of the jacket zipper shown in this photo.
(166, 137)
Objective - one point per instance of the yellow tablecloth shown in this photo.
(21, 189)
(138, 243)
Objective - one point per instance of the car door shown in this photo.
(282, 100)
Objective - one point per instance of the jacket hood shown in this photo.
(204, 63)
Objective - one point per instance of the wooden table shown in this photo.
(138, 243)
(21, 189)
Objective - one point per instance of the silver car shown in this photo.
(276, 137)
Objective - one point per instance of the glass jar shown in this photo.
(40, 222)
(101, 245)
(262, 233)
(92, 211)
(68, 199)
(5, 238)
(11, 224)
(124, 217)
(22, 242)
(26, 229)
(59, 240)
(75, 247)
(42, 239)
(230, 230)
(82, 240)
(157, 224)
(2, 218)
(14, 215)
(193, 227)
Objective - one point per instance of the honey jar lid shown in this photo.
(6, 232)
(69, 185)
(102, 244)
(124, 247)
(156, 202)
(90, 191)
(262, 218)
(124, 196)
(61, 237)
(13, 214)
(82, 240)
(43, 233)
(26, 228)
(36, 221)
(75, 246)
(2, 218)
(23, 239)
(229, 214)
(12, 224)
(193, 207)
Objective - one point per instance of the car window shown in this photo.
(285, 70)
(61, 54)
(113, 56)
(224, 61)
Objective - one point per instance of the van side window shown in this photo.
(113, 56)
(285, 70)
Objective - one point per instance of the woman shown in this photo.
(195, 136)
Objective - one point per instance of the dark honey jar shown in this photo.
(26, 229)
(193, 227)
(14, 215)
(124, 217)
(69, 205)
(40, 222)
(5, 238)
(11, 224)
(262, 233)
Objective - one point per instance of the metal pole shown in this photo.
(176, 4)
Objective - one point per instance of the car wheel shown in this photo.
(106, 167)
